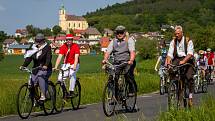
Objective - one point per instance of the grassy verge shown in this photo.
(204, 112)
(92, 80)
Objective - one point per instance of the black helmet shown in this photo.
(39, 38)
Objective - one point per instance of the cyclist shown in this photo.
(71, 53)
(181, 51)
(123, 50)
(210, 60)
(41, 55)
(161, 58)
(201, 62)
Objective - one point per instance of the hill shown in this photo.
(196, 16)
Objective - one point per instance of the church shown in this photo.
(67, 22)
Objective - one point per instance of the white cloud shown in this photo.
(2, 8)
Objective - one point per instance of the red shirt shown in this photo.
(70, 57)
(210, 57)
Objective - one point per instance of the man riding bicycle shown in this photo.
(210, 61)
(181, 51)
(41, 55)
(71, 53)
(201, 62)
(123, 50)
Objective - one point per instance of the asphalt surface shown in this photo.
(148, 108)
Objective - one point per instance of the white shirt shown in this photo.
(180, 48)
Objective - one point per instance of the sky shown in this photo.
(17, 14)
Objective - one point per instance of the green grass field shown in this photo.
(92, 80)
(204, 112)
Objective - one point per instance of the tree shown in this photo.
(47, 32)
(3, 36)
(56, 30)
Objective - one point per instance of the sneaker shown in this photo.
(131, 94)
(42, 98)
(71, 94)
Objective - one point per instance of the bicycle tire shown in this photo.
(162, 88)
(75, 101)
(49, 103)
(172, 96)
(108, 98)
(130, 100)
(59, 98)
(27, 95)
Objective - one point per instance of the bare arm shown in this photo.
(76, 61)
(58, 60)
(158, 61)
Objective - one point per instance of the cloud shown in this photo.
(2, 8)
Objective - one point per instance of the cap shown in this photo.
(120, 28)
(69, 36)
(208, 50)
(201, 52)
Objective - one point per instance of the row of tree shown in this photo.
(196, 16)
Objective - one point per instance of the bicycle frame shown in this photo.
(181, 85)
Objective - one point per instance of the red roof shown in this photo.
(104, 41)
(75, 18)
(78, 31)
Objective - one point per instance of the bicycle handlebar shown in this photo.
(30, 70)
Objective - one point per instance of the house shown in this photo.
(21, 33)
(18, 49)
(87, 41)
(7, 43)
(104, 42)
(23, 41)
(84, 49)
(91, 33)
(108, 32)
(67, 22)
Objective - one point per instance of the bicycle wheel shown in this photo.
(131, 98)
(24, 101)
(59, 101)
(108, 100)
(172, 95)
(204, 87)
(50, 99)
(162, 87)
(77, 99)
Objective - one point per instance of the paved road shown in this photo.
(149, 106)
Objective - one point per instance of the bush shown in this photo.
(146, 48)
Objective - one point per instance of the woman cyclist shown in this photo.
(41, 55)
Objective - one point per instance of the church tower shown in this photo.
(62, 17)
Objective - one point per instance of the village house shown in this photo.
(84, 49)
(17, 49)
(7, 43)
(104, 42)
(21, 33)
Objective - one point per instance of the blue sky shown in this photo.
(43, 13)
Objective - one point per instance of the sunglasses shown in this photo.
(120, 32)
(69, 39)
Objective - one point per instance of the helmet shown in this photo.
(120, 28)
(208, 50)
(39, 38)
(69, 36)
(201, 52)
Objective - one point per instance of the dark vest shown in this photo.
(120, 51)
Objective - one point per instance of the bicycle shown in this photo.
(163, 81)
(61, 93)
(29, 94)
(111, 97)
(208, 74)
(178, 90)
(200, 81)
